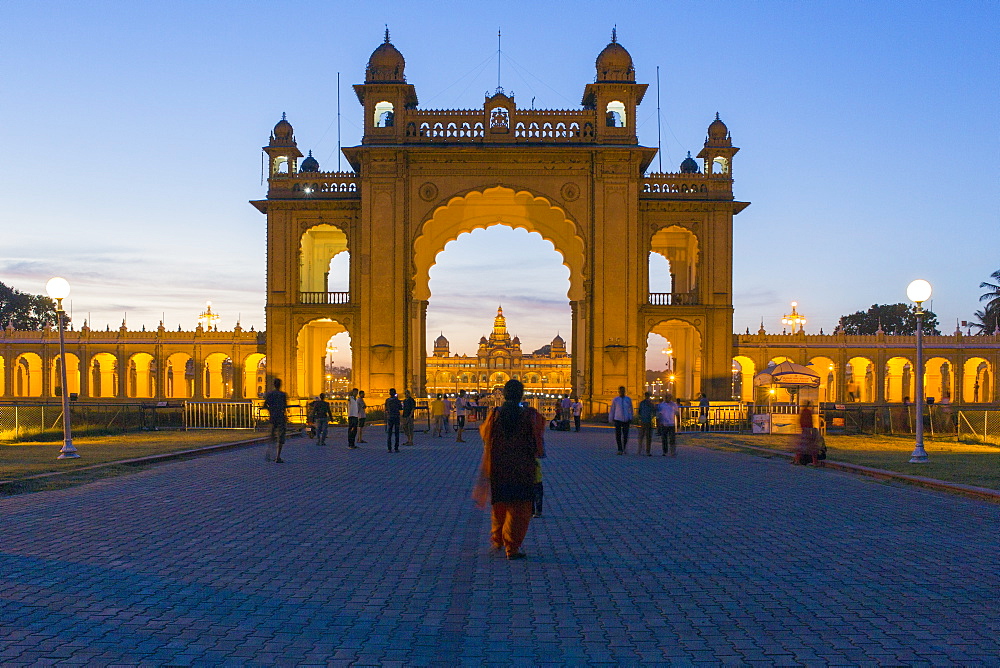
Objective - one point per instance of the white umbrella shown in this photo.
(787, 374)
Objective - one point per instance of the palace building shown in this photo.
(421, 177)
(498, 359)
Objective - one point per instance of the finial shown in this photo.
(689, 154)
(310, 154)
(614, 34)
(386, 33)
(717, 116)
(283, 116)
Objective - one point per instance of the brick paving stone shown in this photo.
(352, 558)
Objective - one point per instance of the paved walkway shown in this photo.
(362, 557)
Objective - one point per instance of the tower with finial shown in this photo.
(385, 94)
(614, 94)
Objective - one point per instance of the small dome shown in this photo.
(689, 165)
(441, 341)
(517, 340)
(311, 164)
(615, 63)
(717, 130)
(483, 340)
(558, 339)
(283, 129)
(385, 64)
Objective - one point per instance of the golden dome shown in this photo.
(717, 130)
(385, 64)
(615, 63)
(283, 129)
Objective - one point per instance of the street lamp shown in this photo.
(795, 319)
(330, 350)
(58, 289)
(918, 292)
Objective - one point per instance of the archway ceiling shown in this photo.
(498, 206)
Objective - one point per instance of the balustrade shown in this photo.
(673, 299)
(324, 297)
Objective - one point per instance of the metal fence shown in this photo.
(22, 420)
(979, 426)
(220, 415)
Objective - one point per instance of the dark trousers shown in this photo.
(352, 431)
(322, 426)
(391, 427)
(536, 503)
(576, 419)
(669, 437)
(621, 434)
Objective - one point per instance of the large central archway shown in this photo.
(481, 209)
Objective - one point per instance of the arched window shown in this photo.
(384, 114)
(616, 114)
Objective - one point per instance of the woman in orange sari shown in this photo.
(512, 439)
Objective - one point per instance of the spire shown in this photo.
(283, 116)
(614, 34)
(717, 116)
(386, 33)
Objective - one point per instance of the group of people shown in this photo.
(666, 414)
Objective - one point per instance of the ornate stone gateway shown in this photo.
(577, 177)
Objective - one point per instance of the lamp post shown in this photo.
(330, 350)
(794, 319)
(918, 292)
(58, 289)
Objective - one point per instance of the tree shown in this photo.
(992, 294)
(985, 321)
(893, 318)
(25, 311)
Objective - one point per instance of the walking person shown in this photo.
(620, 416)
(362, 416)
(276, 403)
(512, 443)
(667, 413)
(393, 411)
(447, 414)
(461, 406)
(437, 416)
(807, 444)
(319, 415)
(352, 419)
(647, 410)
(703, 405)
(409, 407)
(565, 411)
(577, 409)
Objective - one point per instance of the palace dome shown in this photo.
(718, 130)
(283, 129)
(385, 64)
(615, 63)
(558, 339)
(310, 164)
(689, 165)
(441, 341)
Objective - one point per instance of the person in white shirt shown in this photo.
(352, 418)
(461, 405)
(565, 408)
(620, 416)
(577, 409)
(666, 418)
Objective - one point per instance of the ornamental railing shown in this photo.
(317, 184)
(324, 297)
(673, 299)
(529, 126)
(680, 186)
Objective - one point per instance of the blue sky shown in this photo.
(132, 134)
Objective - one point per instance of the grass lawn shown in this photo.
(21, 459)
(967, 464)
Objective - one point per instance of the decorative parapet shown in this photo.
(518, 126)
(88, 336)
(800, 340)
(667, 185)
(315, 185)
